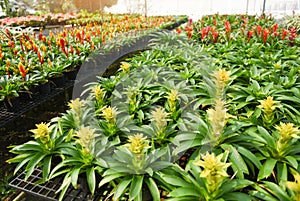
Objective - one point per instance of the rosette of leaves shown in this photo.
(133, 169)
(277, 150)
(205, 179)
(9, 87)
(48, 144)
(84, 163)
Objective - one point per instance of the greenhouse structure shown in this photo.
(149, 100)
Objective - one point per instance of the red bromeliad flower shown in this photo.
(284, 33)
(62, 45)
(275, 27)
(293, 34)
(41, 34)
(265, 35)
(178, 30)
(250, 33)
(205, 31)
(215, 35)
(71, 49)
(258, 29)
(23, 71)
(189, 32)
(227, 27)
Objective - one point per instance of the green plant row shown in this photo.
(186, 119)
(28, 58)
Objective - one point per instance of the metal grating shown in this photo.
(26, 105)
(46, 191)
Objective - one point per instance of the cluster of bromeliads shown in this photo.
(208, 112)
(31, 58)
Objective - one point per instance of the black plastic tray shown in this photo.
(47, 191)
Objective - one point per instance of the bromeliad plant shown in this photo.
(206, 179)
(133, 169)
(48, 145)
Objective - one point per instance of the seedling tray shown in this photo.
(47, 191)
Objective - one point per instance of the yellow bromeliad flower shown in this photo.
(217, 117)
(76, 105)
(221, 77)
(214, 170)
(277, 65)
(159, 117)
(172, 97)
(287, 131)
(86, 138)
(42, 132)
(109, 114)
(295, 186)
(99, 93)
(137, 144)
(125, 66)
(268, 105)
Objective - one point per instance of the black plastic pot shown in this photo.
(58, 81)
(12, 104)
(71, 75)
(44, 88)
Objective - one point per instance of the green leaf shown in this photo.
(122, 186)
(233, 185)
(109, 178)
(175, 180)
(267, 168)
(153, 189)
(64, 187)
(282, 172)
(265, 134)
(263, 195)
(24, 159)
(33, 164)
(184, 191)
(29, 146)
(74, 176)
(277, 191)
(237, 160)
(91, 179)
(248, 154)
(292, 161)
(136, 186)
(255, 85)
(46, 167)
(237, 196)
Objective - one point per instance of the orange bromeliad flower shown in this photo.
(22, 69)
(41, 58)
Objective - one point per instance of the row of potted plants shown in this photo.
(38, 21)
(188, 119)
(29, 59)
